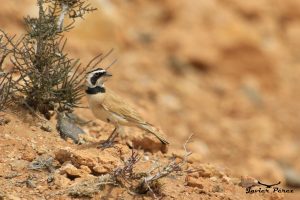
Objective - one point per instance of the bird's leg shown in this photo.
(111, 137)
(110, 140)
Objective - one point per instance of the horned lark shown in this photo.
(111, 108)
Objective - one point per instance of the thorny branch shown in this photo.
(5, 89)
(48, 79)
(5, 47)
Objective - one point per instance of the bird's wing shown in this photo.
(116, 105)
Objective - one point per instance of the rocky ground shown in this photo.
(225, 71)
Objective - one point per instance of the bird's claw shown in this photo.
(106, 144)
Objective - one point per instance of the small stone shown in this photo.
(29, 156)
(63, 155)
(214, 179)
(74, 172)
(85, 169)
(41, 150)
(206, 171)
(226, 179)
(67, 128)
(100, 169)
(70, 170)
(148, 143)
(61, 181)
(4, 121)
(33, 128)
(46, 127)
(88, 159)
(247, 181)
(194, 182)
(7, 136)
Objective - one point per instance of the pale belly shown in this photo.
(107, 116)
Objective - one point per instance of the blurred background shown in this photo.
(225, 70)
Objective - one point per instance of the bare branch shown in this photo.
(61, 18)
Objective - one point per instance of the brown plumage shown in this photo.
(109, 107)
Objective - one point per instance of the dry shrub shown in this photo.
(48, 78)
(5, 90)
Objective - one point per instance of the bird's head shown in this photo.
(97, 77)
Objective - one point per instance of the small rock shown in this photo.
(41, 150)
(29, 156)
(61, 181)
(148, 143)
(73, 172)
(214, 179)
(100, 169)
(194, 182)
(86, 169)
(46, 127)
(89, 158)
(208, 171)
(247, 181)
(226, 179)
(4, 121)
(70, 170)
(67, 128)
(7, 136)
(33, 128)
(63, 155)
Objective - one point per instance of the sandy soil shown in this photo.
(225, 71)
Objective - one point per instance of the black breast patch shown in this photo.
(95, 90)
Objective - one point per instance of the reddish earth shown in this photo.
(225, 71)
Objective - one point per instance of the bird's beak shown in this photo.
(108, 74)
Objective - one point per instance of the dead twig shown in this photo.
(147, 182)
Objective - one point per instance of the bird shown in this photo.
(111, 108)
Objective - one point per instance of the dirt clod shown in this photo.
(149, 144)
(194, 182)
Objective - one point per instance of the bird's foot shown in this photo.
(106, 144)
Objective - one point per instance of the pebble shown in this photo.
(194, 182)
(46, 127)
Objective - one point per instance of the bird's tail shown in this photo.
(151, 129)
